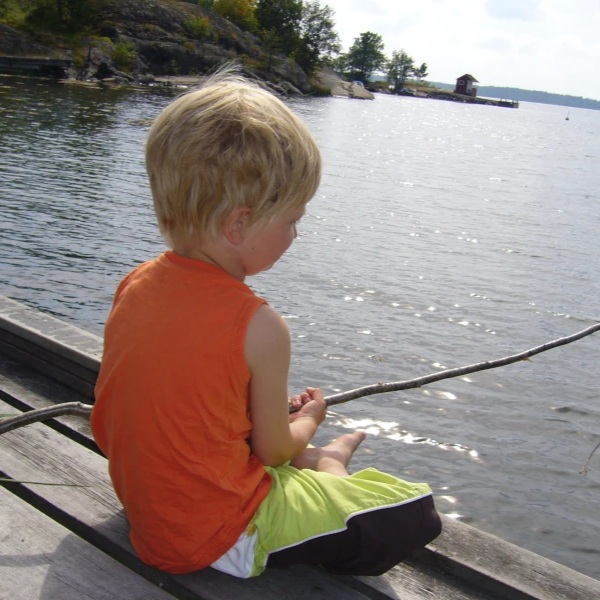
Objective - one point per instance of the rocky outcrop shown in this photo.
(329, 79)
(16, 43)
(163, 41)
(166, 43)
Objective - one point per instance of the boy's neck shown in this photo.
(213, 255)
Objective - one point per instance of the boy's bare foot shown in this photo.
(332, 458)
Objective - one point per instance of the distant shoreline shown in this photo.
(435, 93)
(529, 96)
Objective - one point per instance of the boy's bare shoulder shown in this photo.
(267, 333)
(267, 318)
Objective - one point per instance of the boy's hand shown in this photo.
(308, 404)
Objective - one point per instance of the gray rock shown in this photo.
(16, 43)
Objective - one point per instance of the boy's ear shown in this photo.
(234, 227)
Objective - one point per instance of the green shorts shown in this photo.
(362, 524)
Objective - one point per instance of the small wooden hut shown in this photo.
(464, 85)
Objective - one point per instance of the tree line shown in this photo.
(366, 56)
(60, 16)
(304, 30)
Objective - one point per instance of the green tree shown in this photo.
(123, 56)
(421, 72)
(199, 27)
(319, 41)
(64, 15)
(240, 12)
(4, 8)
(280, 22)
(271, 44)
(10, 10)
(365, 56)
(399, 69)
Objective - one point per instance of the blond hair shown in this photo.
(228, 145)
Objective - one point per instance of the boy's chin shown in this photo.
(258, 271)
(267, 268)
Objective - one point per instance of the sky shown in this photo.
(545, 45)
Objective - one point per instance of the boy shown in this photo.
(191, 401)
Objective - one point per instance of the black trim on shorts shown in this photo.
(373, 542)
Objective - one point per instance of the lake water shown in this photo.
(442, 235)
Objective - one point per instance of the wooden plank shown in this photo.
(26, 389)
(414, 581)
(50, 345)
(44, 330)
(36, 453)
(496, 565)
(41, 559)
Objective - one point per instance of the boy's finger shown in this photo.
(295, 401)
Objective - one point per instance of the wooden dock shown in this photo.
(55, 68)
(508, 103)
(68, 539)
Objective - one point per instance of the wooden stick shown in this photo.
(84, 410)
(41, 414)
(380, 388)
(584, 469)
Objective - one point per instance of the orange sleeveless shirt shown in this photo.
(172, 411)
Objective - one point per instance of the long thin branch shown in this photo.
(84, 410)
(584, 469)
(41, 414)
(380, 388)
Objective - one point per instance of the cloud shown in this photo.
(496, 44)
(550, 45)
(514, 9)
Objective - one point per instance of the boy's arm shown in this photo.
(274, 439)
